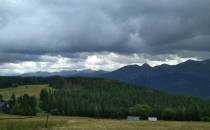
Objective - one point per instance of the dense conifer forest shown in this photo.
(13, 81)
(95, 97)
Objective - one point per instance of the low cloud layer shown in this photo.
(30, 30)
(93, 61)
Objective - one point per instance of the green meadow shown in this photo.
(32, 90)
(8, 122)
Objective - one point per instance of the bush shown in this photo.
(205, 118)
(168, 114)
(23, 105)
(141, 110)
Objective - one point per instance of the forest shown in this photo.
(102, 98)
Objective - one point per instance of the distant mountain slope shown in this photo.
(190, 77)
(85, 73)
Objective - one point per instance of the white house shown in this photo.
(152, 119)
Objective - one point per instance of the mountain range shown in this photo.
(81, 73)
(187, 78)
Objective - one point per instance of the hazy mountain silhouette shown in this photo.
(82, 73)
(190, 77)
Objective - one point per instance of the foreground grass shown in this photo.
(32, 90)
(80, 123)
(30, 123)
(96, 124)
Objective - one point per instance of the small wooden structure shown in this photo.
(152, 119)
(133, 118)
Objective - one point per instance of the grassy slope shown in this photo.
(79, 123)
(32, 90)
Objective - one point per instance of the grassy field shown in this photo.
(8, 122)
(32, 90)
(80, 123)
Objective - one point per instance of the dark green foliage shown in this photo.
(141, 110)
(23, 105)
(44, 99)
(192, 113)
(205, 118)
(1, 98)
(13, 99)
(10, 104)
(168, 114)
(95, 97)
(14, 81)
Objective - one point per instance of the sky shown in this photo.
(55, 35)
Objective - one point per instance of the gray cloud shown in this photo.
(31, 29)
(16, 57)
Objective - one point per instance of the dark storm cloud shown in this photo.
(15, 57)
(64, 27)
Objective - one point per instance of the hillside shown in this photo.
(95, 97)
(32, 90)
(188, 78)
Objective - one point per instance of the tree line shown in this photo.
(14, 81)
(24, 105)
(101, 98)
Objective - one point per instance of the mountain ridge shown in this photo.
(65, 73)
(190, 77)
